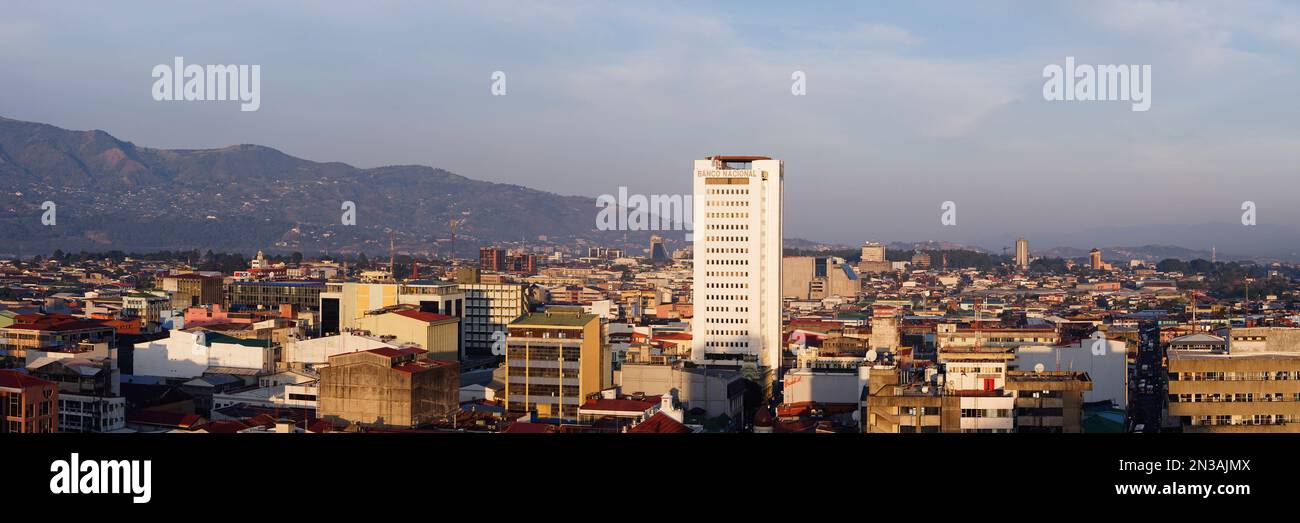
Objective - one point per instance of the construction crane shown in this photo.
(454, 224)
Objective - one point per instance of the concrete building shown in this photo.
(187, 354)
(884, 328)
(484, 308)
(895, 405)
(148, 307)
(921, 261)
(1252, 385)
(873, 252)
(344, 304)
(489, 308)
(738, 253)
(492, 259)
(315, 352)
(392, 388)
(27, 404)
(188, 290)
(1024, 401)
(437, 333)
(948, 335)
(1048, 401)
(816, 278)
(554, 361)
(719, 391)
(824, 385)
(1022, 253)
(50, 332)
(270, 295)
(977, 377)
(658, 253)
(1106, 364)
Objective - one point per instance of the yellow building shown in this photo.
(344, 304)
(437, 333)
(554, 360)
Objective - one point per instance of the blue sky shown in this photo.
(908, 104)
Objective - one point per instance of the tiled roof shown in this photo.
(17, 380)
(660, 423)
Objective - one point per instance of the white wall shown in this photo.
(184, 355)
(1109, 370)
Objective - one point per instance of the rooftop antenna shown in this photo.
(392, 255)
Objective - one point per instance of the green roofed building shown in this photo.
(554, 360)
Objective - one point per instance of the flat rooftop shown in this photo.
(554, 319)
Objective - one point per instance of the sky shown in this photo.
(907, 104)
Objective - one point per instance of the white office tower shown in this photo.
(1022, 253)
(737, 283)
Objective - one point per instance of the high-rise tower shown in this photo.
(737, 281)
(1022, 253)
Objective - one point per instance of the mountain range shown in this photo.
(111, 194)
(114, 195)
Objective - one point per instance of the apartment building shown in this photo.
(1251, 385)
(50, 332)
(188, 290)
(554, 361)
(27, 404)
(489, 308)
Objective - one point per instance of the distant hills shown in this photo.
(114, 195)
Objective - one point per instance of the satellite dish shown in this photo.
(871, 355)
(1038, 367)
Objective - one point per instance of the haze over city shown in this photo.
(905, 108)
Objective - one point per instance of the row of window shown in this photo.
(727, 344)
(986, 413)
(1257, 419)
(726, 297)
(1236, 376)
(1239, 397)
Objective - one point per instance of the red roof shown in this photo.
(660, 423)
(424, 316)
(17, 380)
(55, 322)
(387, 351)
(621, 405)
